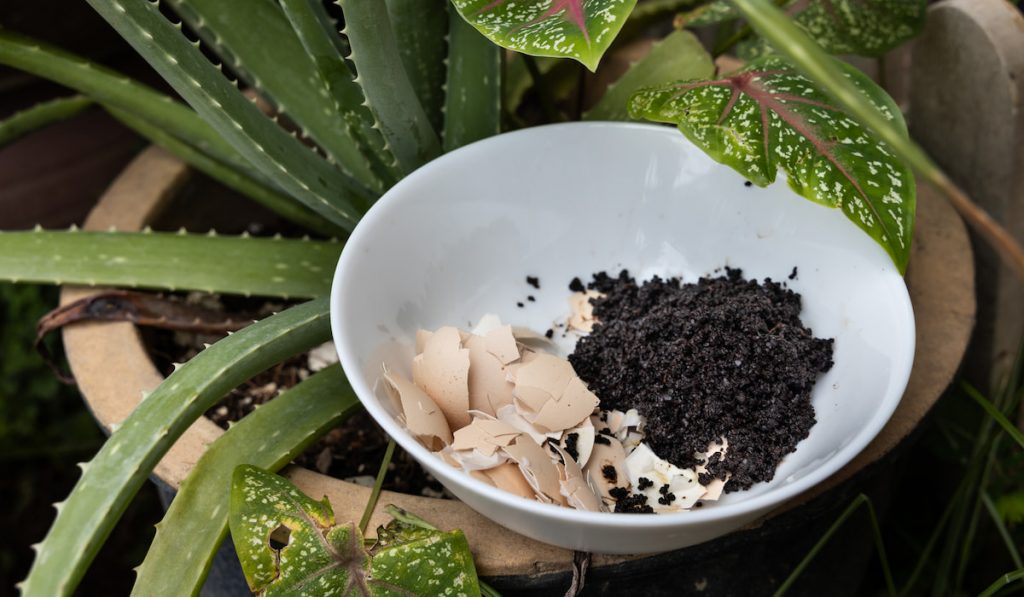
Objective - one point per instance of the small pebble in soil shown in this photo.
(722, 357)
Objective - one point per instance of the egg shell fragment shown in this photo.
(508, 477)
(489, 388)
(484, 435)
(582, 318)
(421, 415)
(610, 454)
(574, 486)
(442, 371)
(538, 469)
(569, 410)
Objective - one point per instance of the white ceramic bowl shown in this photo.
(456, 239)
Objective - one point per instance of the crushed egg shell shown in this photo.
(422, 416)
(502, 344)
(582, 318)
(509, 477)
(584, 441)
(574, 487)
(489, 388)
(682, 483)
(538, 469)
(442, 371)
(485, 436)
(509, 414)
(605, 455)
(568, 410)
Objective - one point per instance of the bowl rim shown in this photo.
(397, 196)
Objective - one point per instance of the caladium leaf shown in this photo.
(768, 116)
(862, 27)
(322, 557)
(577, 29)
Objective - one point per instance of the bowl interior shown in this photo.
(457, 238)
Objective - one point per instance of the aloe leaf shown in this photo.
(322, 42)
(388, 90)
(238, 30)
(114, 89)
(263, 194)
(473, 102)
(270, 437)
(41, 115)
(420, 28)
(224, 264)
(578, 29)
(322, 557)
(281, 157)
(793, 43)
(767, 116)
(123, 464)
(679, 56)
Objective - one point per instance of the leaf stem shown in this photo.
(377, 484)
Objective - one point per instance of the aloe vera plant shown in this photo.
(362, 93)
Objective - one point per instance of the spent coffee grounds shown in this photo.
(722, 357)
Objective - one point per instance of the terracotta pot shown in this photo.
(113, 369)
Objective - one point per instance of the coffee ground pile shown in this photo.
(724, 357)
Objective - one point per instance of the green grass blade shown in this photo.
(1002, 581)
(225, 264)
(1004, 533)
(420, 28)
(270, 437)
(789, 40)
(473, 100)
(263, 194)
(994, 412)
(680, 56)
(860, 500)
(114, 89)
(322, 42)
(389, 93)
(382, 472)
(280, 156)
(239, 30)
(41, 115)
(123, 464)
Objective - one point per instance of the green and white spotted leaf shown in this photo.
(269, 437)
(238, 31)
(126, 459)
(679, 56)
(768, 117)
(473, 87)
(861, 27)
(578, 29)
(41, 115)
(169, 261)
(278, 155)
(322, 557)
